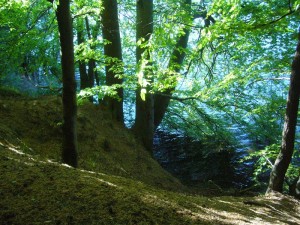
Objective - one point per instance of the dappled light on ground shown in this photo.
(25, 176)
(35, 188)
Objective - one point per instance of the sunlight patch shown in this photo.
(19, 161)
(103, 181)
(209, 214)
(92, 172)
(157, 201)
(66, 165)
(12, 148)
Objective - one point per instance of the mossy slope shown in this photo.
(38, 191)
(104, 145)
(117, 182)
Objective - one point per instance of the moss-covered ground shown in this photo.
(117, 181)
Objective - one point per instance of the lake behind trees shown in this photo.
(196, 162)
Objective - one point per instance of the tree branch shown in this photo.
(35, 21)
(91, 12)
(276, 20)
(180, 99)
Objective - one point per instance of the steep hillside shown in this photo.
(104, 145)
(34, 190)
(117, 182)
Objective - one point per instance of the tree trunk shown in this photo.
(288, 135)
(111, 32)
(144, 121)
(84, 83)
(294, 187)
(161, 101)
(297, 188)
(92, 62)
(95, 33)
(69, 151)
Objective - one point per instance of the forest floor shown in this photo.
(117, 181)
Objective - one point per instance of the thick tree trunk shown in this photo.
(84, 82)
(69, 151)
(144, 121)
(111, 32)
(288, 135)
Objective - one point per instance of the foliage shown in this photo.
(264, 161)
(235, 71)
(99, 91)
(236, 76)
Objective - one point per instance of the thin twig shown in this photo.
(268, 160)
(274, 21)
(180, 99)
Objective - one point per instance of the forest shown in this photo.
(149, 112)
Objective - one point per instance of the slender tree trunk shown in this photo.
(297, 188)
(69, 151)
(288, 135)
(111, 32)
(92, 62)
(161, 100)
(94, 34)
(84, 82)
(294, 187)
(144, 121)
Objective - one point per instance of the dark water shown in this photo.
(195, 162)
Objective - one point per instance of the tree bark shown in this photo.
(111, 32)
(69, 148)
(288, 135)
(144, 121)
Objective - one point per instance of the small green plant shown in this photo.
(99, 91)
(264, 160)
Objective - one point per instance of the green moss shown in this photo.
(121, 183)
(34, 191)
(104, 145)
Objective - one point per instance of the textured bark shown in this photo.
(161, 100)
(111, 32)
(69, 151)
(288, 135)
(144, 121)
